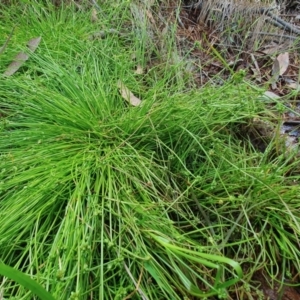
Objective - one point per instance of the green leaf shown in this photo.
(25, 281)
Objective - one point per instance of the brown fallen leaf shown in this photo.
(280, 65)
(34, 43)
(294, 86)
(269, 96)
(94, 15)
(22, 57)
(150, 17)
(128, 95)
(283, 60)
(256, 70)
(270, 49)
(139, 70)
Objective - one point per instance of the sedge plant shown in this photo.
(101, 199)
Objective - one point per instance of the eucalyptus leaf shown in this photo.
(21, 57)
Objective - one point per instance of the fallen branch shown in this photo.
(276, 21)
(273, 19)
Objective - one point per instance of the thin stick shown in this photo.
(137, 284)
(274, 20)
(7, 40)
(96, 5)
(279, 22)
(278, 35)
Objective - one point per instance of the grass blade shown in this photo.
(25, 281)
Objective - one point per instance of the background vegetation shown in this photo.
(100, 199)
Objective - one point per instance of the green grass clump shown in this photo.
(99, 199)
